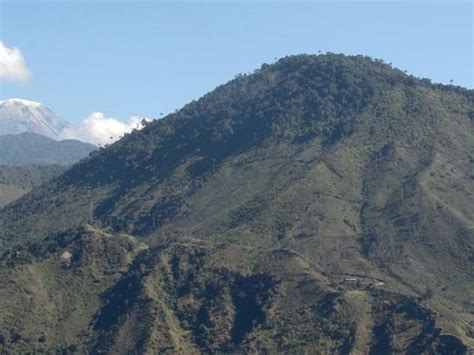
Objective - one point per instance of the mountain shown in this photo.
(322, 204)
(31, 148)
(19, 115)
(15, 181)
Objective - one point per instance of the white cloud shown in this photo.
(12, 65)
(98, 129)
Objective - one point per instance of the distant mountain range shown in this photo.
(30, 152)
(31, 148)
(19, 116)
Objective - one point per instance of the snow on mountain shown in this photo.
(19, 115)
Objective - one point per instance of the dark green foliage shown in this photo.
(29, 177)
(247, 212)
(394, 330)
(15, 181)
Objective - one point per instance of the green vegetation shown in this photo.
(15, 181)
(322, 203)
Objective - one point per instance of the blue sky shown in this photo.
(143, 58)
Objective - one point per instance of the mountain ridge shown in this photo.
(34, 149)
(339, 180)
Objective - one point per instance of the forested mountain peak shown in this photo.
(332, 193)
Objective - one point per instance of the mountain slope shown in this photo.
(343, 186)
(176, 298)
(34, 149)
(16, 181)
(19, 115)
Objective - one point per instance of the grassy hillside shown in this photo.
(88, 290)
(330, 194)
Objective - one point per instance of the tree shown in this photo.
(428, 294)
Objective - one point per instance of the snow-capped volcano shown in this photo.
(19, 115)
